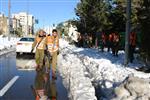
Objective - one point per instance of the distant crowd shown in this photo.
(110, 41)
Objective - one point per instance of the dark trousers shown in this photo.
(103, 45)
(109, 45)
(115, 48)
(131, 53)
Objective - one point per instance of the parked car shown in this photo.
(24, 45)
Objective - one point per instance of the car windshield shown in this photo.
(27, 39)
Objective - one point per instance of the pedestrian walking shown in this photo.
(132, 45)
(39, 44)
(110, 41)
(116, 40)
(52, 42)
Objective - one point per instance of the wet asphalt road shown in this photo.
(21, 89)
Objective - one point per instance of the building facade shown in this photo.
(26, 21)
(3, 24)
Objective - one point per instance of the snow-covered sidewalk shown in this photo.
(83, 69)
(7, 46)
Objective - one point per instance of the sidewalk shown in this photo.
(8, 50)
(7, 46)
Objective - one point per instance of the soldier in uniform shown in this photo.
(52, 42)
(39, 44)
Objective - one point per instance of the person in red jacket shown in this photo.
(132, 45)
(110, 41)
(116, 40)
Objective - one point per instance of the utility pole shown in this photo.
(9, 20)
(128, 27)
(27, 27)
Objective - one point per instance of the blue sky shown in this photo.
(47, 11)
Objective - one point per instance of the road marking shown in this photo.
(8, 85)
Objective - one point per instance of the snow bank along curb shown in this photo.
(72, 71)
(5, 51)
(7, 46)
(102, 69)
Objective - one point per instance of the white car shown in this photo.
(24, 45)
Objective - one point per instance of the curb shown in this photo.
(7, 50)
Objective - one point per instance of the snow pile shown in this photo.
(72, 72)
(102, 70)
(5, 44)
(133, 88)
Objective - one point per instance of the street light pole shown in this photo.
(27, 24)
(128, 18)
(9, 20)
